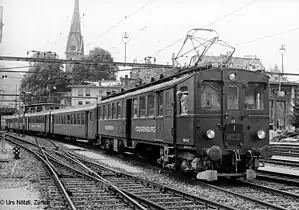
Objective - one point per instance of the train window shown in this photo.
(68, 119)
(78, 119)
(271, 111)
(232, 97)
(135, 108)
(151, 105)
(75, 119)
(254, 95)
(210, 95)
(160, 103)
(114, 114)
(142, 106)
(109, 111)
(123, 110)
(100, 112)
(168, 103)
(105, 114)
(90, 116)
(183, 98)
(119, 109)
(82, 119)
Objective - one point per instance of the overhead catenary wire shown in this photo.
(268, 36)
(211, 23)
(121, 21)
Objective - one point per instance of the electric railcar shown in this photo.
(212, 122)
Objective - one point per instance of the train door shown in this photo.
(168, 116)
(128, 121)
(86, 124)
(232, 122)
(91, 119)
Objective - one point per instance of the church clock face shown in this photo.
(73, 48)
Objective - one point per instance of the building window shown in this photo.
(151, 105)
(80, 102)
(80, 92)
(271, 111)
(87, 102)
(142, 106)
(87, 93)
(280, 114)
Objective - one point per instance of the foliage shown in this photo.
(97, 72)
(46, 84)
(294, 117)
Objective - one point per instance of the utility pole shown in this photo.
(1, 23)
(125, 39)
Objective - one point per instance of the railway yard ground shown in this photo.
(23, 184)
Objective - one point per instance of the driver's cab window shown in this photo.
(254, 96)
(232, 97)
(210, 96)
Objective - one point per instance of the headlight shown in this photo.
(261, 134)
(232, 76)
(210, 134)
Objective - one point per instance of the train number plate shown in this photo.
(233, 137)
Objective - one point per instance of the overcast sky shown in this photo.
(153, 25)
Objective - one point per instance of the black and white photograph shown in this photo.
(149, 104)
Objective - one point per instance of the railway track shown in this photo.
(149, 195)
(292, 163)
(80, 190)
(262, 194)
(285, 150)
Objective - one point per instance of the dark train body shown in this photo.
(212, 122)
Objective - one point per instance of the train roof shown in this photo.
(74, 109)
(150, 88)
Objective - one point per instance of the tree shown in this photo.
(294, 117)
(95, 73)
(46, 83)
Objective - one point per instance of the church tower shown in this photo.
(75, 45)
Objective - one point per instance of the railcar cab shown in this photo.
(233, 118)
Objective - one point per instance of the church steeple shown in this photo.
(75, 45)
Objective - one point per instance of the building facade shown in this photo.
(94, 91)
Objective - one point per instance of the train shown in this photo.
(211, 122)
